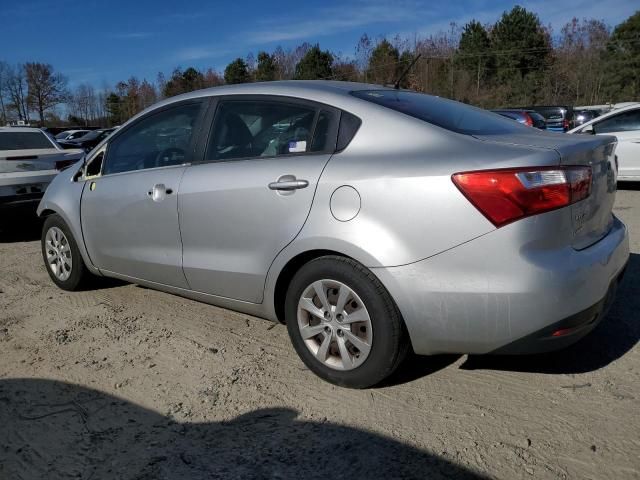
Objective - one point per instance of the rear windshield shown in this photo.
(23, 141)
(454, 116)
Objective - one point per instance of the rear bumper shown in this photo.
(565, 332)
(486, 294)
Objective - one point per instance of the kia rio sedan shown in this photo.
(371, 221)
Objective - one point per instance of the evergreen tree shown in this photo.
(523, 53)
(622, 61)
(384, 63)
(474, 53)
(237, 72)
(266, 69)
(315, 64)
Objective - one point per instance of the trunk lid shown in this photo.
(592, 217)
(30, 160)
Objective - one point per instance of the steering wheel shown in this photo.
(166, 157)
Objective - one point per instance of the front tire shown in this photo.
(61, 255)
(343, 323)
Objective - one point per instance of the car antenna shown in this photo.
(396, 85)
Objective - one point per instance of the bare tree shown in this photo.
(46, 88)
(4, 68)
(16, 91)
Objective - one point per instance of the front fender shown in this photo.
(63, 197)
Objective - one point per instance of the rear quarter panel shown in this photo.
(409, 207)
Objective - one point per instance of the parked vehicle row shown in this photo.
(529, 118)
(88, 140)
(70, 135)
(29, 160)
(372, 221)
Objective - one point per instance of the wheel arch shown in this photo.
(289, 270)
(46, 212)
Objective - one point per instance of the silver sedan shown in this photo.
(371, 221)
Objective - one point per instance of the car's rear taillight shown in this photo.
(62, 164)
(565, 124)
(528, 120)
(507, 195)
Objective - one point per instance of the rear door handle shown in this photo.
(288, 183)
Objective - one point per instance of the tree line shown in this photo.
(515, 61)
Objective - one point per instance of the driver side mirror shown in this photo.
(589, 130)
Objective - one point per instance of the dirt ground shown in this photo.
(126, 382)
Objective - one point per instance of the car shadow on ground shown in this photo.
(616, 334)
(56, 430)
(19, 226)
(634, 186)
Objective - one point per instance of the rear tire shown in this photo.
(61, 255)
(343, 323)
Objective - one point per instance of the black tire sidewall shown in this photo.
(388, 332)
(78, 269)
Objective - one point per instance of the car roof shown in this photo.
(293, 88)
(331, 92)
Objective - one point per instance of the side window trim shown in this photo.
(213, 116)
(123, 130)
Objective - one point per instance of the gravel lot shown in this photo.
(126, 382)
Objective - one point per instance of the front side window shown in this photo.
(622, 122)
(159, 140)
(246, 129)
(24, 141)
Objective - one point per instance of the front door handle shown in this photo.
(288, 183)
(159, 192)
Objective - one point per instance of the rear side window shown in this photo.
(454, 116)
(622, 122)
(349, 125)
(324, 134)
(253, 129)
(24, 141)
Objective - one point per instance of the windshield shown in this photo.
(454, 116)
(62, 135)
(23, 141)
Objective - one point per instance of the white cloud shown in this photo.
(131, 35)
(199, 53)
(328, 21)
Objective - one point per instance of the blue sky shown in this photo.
(101, 42)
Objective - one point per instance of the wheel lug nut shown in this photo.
(339, 317)
(340, 333)
(327, 315)
(327, 329)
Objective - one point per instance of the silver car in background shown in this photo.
(371, 221)
(29, 160)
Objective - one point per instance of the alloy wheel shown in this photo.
(58, 253)
(334, 324)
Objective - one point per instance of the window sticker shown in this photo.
(297, 147)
